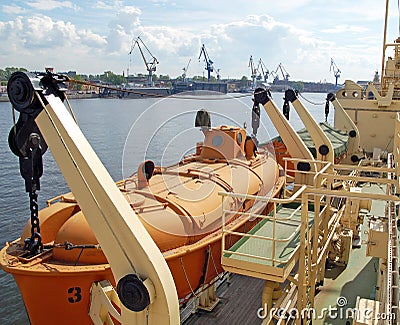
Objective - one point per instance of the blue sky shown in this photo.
(96, 36)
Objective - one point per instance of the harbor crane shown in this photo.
(209, 64)
(263, 71)
(185, 70)
(283, 71)
(253, 72)
(336, 71)
(151, 64)
(274, 75)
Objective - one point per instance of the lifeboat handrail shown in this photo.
(180, 211)
(211, 176)
(265, 198)
(250, 167)
(54, 200)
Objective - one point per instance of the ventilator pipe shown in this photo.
(250, 147)
(145, 172)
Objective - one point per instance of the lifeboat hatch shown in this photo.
(136, 200)
(224, 142)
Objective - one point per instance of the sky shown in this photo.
(91, 37)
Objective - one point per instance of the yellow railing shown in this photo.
(271, 217)
(321, 167)
(314, 241)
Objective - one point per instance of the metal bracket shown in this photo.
(103, 297)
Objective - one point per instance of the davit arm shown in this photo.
(322, 143)
(346, 124)
(292, 141)
(138, 266)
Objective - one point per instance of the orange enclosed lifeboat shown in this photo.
(179, 206)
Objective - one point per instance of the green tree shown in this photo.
(76, 86)
(112, 78)
(244, 82)
(163, 77)
(7, 72)
(298, 85)
(201, 78)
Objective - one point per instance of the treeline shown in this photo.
(108, 77)
(7, 72)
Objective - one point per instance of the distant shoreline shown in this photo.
(4, 97)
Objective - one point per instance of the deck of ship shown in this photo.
(240, 299)
(358, 278)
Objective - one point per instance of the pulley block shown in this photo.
(133, 293)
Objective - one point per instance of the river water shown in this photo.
(123, 133)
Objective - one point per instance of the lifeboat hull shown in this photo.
(55, 292)
(178, 205)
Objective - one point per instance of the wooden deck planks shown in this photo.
(239, 302)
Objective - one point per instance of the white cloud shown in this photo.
(51, 4)
(13, 9)
(108, 5)
(95, 45)
(162, 3)
(123, 28)
(44, 32)
(345, 28)
(103, 5)
(127, 19)
(91, 39)
(41, 41)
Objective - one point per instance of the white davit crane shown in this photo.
(137, 264)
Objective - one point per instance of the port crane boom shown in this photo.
(263, 71)
(185, 70)
(283, 71)
(151, 64)
(336, 71)
(253, 72)
(209, 64)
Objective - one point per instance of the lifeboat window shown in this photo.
(217, 141)
(239, 138)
